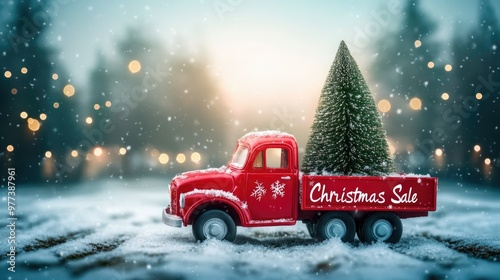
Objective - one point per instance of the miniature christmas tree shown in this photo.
(347, 136)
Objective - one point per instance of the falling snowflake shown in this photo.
(278, 189)
(258, 191)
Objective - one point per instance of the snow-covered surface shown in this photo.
(267, 133)
(216, 193)
(113, 230)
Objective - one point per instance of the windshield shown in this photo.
(239, 157)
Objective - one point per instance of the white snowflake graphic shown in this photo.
(258, 191)
(278, 189)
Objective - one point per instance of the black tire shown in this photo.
(336, 225)
(311, 228)
(359, 226)
(388, 224)
(215, 224)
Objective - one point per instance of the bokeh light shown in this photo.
(43, 116)
(415, 104)
(430, 64)
(33, 124)
(134, 66)
(98, 151)
(448, 67)
(384, 105)
(48, 154)
(195, 157)
(55, 76)
(439, 152)
(181, 158)
(88, 120)
(479, 96)
(7, 74)
(122, 151)
(69, 90)
(24, 70)
(477, 148)
(74, 153)
(487, 161)
(163, 158)
(24, 115)
(10, 148)
(418, 43)
(445, 96)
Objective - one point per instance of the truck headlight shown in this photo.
(182, 200)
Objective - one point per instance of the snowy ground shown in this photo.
(113, 230)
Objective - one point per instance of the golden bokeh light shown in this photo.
(24, 115)
(430, 64)
(108, 103)
(134, 66)
(10, 148)
(48, 154)
(56, 105)
(24, 70)
(445, 96)
(7, 74)
(13, 91)
(33, 124)
(439, 152)
(448, 67)
(122, 151)
(195, 157)
(415, 104)
(477, 148)
(479, 96)
(163, 158)
(384, 105)
(74, 153)
(69, 90)
(98, 151)
(97, 107)
(487, 161)
(181, 158)
(418, 43)
(55, 76)
(43, 116)
(88, 120)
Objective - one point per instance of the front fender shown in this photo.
(194, 201)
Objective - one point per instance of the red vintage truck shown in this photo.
(262, 186)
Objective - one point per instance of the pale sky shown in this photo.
(257, 49)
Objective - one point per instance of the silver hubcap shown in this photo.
(215, 228)
(335, 228)
(382, 230)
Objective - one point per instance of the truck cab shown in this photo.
(262, 186)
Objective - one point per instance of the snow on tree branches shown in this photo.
(347, 136)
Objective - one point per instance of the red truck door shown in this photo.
(271, 185)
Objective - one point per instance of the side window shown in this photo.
(258, 162)
(276, 158)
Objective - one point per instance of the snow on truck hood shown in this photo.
(211, 176)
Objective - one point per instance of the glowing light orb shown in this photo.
(195, 157)
(24, 70)
(7, 74)
(122, 151)
(98, 151)
(134, 66)
(415, 104)
(479, 96)
(445, 96)
(163, 158)
(48, 154)
(74, 153)
(430, 64)
(181, 158)
(448, 67)
(384, 105)
(10, 148)
(487, 161)
(43, 116)
(24, 115)
(439, 152)
(477, 148)
(418, 43)
(55, 76)
(33, 124)
(69, 90)
(88, 120)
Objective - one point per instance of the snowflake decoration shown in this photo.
(258, 191)
(278, 189)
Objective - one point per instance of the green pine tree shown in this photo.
(347, 135)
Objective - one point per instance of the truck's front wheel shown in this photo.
(336, 224)
(214, 224)
(381, 226)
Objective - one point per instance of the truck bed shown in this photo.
(368, 193)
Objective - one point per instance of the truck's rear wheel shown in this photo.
(381, 226)
(336, 225)
(311, 228)
(214, 224)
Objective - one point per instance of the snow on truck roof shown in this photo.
(253, 137)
